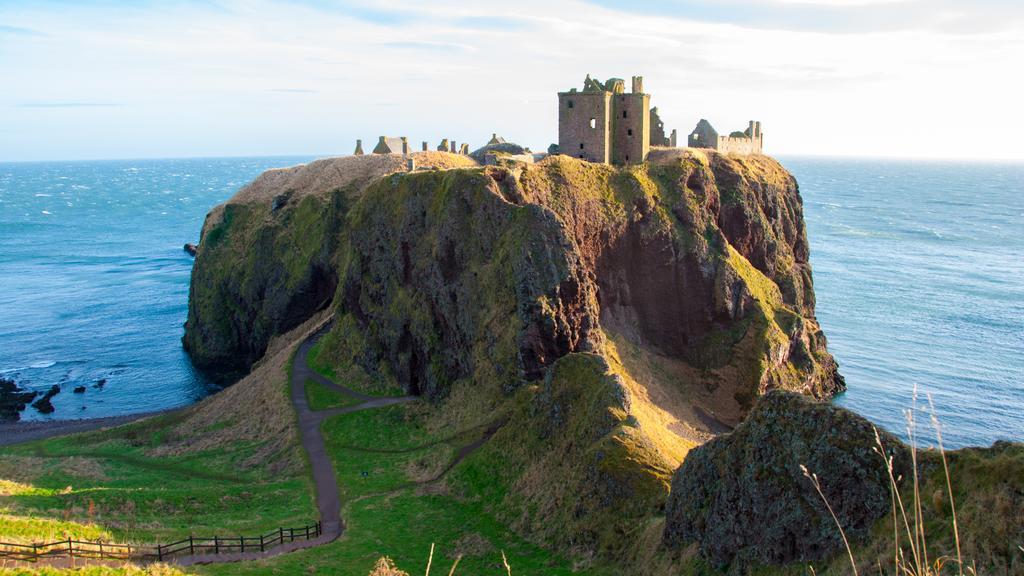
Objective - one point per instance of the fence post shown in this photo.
(101, 548)
(262, 549)
(160, 552)
(241, 543)
(216, 544)
(35, 552)
(71, 550)
(280, 534)
(191, 545)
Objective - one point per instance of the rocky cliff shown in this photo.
(612, 317)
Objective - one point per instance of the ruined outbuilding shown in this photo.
(750, 141)
(658, 137)
(392, 145)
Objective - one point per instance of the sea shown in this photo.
(918, 272)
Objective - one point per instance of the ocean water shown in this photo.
(918, 271)
(94, 281)
(919, 276)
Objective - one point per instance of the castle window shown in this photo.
(593, 123)
(627, 157)
(581, 145)
(624, 113)
(629, 132)
(570, 103)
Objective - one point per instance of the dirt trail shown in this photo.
(328, 500)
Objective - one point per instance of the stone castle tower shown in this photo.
(605, 124)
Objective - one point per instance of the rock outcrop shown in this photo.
(744, 498)
(13, 400)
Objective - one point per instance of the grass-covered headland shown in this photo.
(595, 352)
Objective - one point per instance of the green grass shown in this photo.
(387, 515)
(334, 349)
(321, 397)
(107, 485)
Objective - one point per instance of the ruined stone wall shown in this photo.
(658, 137)
(631, 128)
(584, 125)
(735, 145)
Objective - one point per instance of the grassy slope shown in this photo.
(204, 470)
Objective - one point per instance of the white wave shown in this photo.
(41, 195)
(47, 212)
(42, 364)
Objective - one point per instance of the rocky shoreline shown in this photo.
(18, 432)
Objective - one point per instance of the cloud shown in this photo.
(19, 31)
(442, 46)
(68, 105)
(840, 16)
(491, 23)
(197, 81)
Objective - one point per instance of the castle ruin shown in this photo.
(603, 123)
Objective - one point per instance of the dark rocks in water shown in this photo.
(79, 390)
(13, 400)
(43, 404)
(191, 249)
(744, 498)
(100, 383)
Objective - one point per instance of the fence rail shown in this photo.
(190, 546)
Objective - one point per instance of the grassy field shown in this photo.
(108, 485)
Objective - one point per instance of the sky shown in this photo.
(95, 79)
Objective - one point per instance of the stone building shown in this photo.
(605, 124)
(392, 145)
(750, 141)
(658, 137)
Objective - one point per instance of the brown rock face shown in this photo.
(698, 258)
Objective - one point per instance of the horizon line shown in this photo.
(316, 156)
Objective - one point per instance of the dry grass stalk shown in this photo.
(457, 560)
(817, 486)
(430, 559)
(508, 569)
(949, 485)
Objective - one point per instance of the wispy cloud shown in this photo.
(840, 16)
(293, 90)
(442, 46)
(68, 105)
(19, 31)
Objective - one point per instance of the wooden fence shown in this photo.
(158, 552)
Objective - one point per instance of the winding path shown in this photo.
(328, 500)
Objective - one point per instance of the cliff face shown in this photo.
(613, 317)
